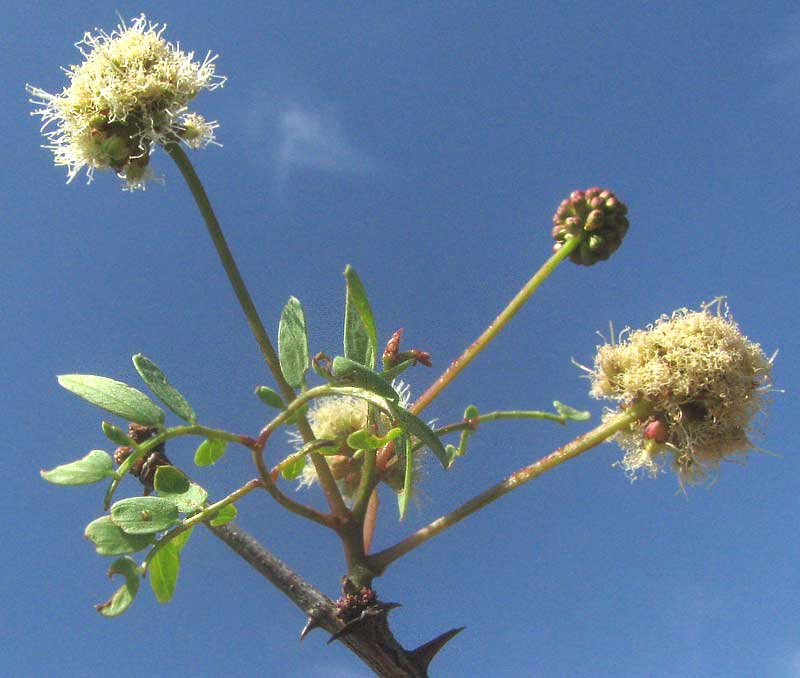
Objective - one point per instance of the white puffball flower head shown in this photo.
(705, 381)
(129, 94)
(335, 418)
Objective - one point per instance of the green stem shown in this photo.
(177, 153)
(472, 423)
(206, 514)
(494, 327)
(282, 499)
(365, 485)
(378, 562)
(206, 432)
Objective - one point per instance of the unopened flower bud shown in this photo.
(597, 212)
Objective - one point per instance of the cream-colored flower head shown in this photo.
(335, 418)
(129, 94)
(705, 380)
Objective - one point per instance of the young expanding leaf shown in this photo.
(144, 515)
(270, 398)
(397, 370)
(569, 413)
(122, 599)
(418, 428)
(166, 392)
(115, 434)
(360, 335)
(363, 439)
(115, 397)
(172, 484)
(224, 515)
(162, 570)
(452, 452)
(293, 343)
(90, 469)
(109, 540)
(349, 372)
(210, 451)
(294, 469)
(408, 482)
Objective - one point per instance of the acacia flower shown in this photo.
(129, 94)
(335, 418)
(705, 380)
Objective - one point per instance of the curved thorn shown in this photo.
(424, 654)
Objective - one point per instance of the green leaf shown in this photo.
(92, 468)
(210, 451)
(122, 599)
(109, 540)
(170, 480)
(418, 428)
(166, 392)
(294, 469)
(162, 571)
(360, 335)
(172, 484)
(116, 435)
(115, 397)
(351, 373)
(270, 398)
(363, 439)
(293, 343)
(408, 482)
(182, 538)
(224, 515)
(144, 515)
(569, 413)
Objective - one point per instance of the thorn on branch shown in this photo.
(424, 654)
(314, 621)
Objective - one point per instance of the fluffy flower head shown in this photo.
(335, 418)
(130, 92)
(705, 380)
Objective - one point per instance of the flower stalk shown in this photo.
(505, 316)
(327, 482)
(378, 562)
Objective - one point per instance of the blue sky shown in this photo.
(428, 145)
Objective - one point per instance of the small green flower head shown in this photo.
(705, 380)
(129, 94)
(335, 418)
(596, 216)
